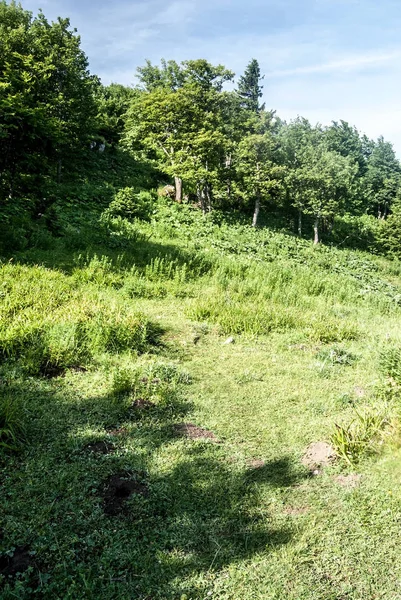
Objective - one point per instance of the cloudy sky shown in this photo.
(322, 59)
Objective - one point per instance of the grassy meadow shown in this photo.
(160, 383)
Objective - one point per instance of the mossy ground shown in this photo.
(236, 516)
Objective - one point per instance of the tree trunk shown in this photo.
(257, 201)
(256, 211)
(178, 189)
(300, 222)
(228, 166)
(208, 197)
(59, 171)
(316, 231)
(201, 198)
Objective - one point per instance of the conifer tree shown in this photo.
(249, 88)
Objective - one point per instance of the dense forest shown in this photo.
(192, 127)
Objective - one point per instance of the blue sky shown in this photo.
(323, 59)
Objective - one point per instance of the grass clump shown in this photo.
(390, 362)
(12, 425)
(362, 436)
(235, 316)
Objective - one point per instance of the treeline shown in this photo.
(67, 139)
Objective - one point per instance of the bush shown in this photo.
(329, 330)
(335, 356)
(130, 204)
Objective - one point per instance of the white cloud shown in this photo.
(346, 64)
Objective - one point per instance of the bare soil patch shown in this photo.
(296, 511)
(352, 480)
(115, 432)
(118, 489)
(317, 456)
(193, 432)
(256, 463)
(19, 562)
(142, 404)
(50, 371)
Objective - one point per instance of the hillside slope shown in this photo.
(161, 382)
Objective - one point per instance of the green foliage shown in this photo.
(47, 106)
(35, 328)
(331, 330)
(390, 362)
(236, 317)
(130, 204)
(382, 180)
(335, 355)
(361, 436)
(249, 88)
(12, 423)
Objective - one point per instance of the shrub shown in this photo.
(119, 232)
(123, 381)
(168, 372)
(130, 204)
(50, 327)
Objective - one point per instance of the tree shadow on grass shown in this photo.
(200, 513)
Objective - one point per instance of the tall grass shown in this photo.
(12, 426)
(50, 323)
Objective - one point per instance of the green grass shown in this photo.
(136, 328)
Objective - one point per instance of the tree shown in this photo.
(249, 88)
(296, 140)
(321, 183)
(261, 176)
(47, 106)
(113, 102)
(383, 178)
(182, 127)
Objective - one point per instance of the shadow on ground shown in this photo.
(183, 511)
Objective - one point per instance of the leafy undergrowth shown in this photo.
(144, 455)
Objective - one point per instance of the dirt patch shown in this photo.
(19, 562)
(359, 392)
(101, 447)
(193, 432)
(256, 463)
(118, 431)
(142, 404)
(50, 371)
(349, 481)
(294, 511)
(79, 369)
(118, 488)
(317, 456)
